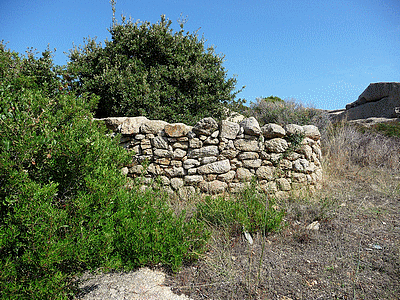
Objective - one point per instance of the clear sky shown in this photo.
(323, 53)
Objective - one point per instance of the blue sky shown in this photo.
(323, 53)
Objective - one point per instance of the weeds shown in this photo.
(147, 232)
(251, 211)
(388, 129)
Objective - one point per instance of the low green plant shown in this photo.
(249, 210)
(147, 232)
(388, 129)
(294, 141)
(272, 99)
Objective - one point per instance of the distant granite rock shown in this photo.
(379, 100)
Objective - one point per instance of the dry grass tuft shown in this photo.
(346, 148)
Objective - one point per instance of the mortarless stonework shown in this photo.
(214, 158)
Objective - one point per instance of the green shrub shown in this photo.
(249, 210)
(146, 69)
(389, 129)
(272, 99)
(64, 207)
(147, 232)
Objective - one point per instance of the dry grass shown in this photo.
(345, 146)
(289, 111)
(355, 253)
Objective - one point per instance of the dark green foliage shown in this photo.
(59, 175)
(148, 70)
(63, 202)
(251, 210)
(294, 141)
(148, 232)
(272, 99)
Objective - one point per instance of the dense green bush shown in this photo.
(146, 69)
(147, 232)
(63, 202)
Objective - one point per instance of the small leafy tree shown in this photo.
(147, 69)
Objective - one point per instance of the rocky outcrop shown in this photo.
(378, 100)
(213, 157)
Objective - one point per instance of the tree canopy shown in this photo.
(147, 69)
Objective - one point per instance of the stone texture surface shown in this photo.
(251, 126)
(203, 152)
(160, 142)
(229, 130)
(213, 187)
(266, 172)
(294, 129)
(276, 145)
(177, 129)
(384, 108)
(205, 126)
(218, 167)
(152, 126)
(131, 125)
(378, 100)
(273, 131)
(377, 91)
(312, 132)
(135, 285)
(246, 145)
(212, 158)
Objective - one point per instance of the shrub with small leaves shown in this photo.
(147, 69)
(64, 205)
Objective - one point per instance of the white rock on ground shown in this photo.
(144, 284)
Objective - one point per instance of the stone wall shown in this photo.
(215, 158)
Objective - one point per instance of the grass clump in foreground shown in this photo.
(250, 211)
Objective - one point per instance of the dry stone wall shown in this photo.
(214, 158)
